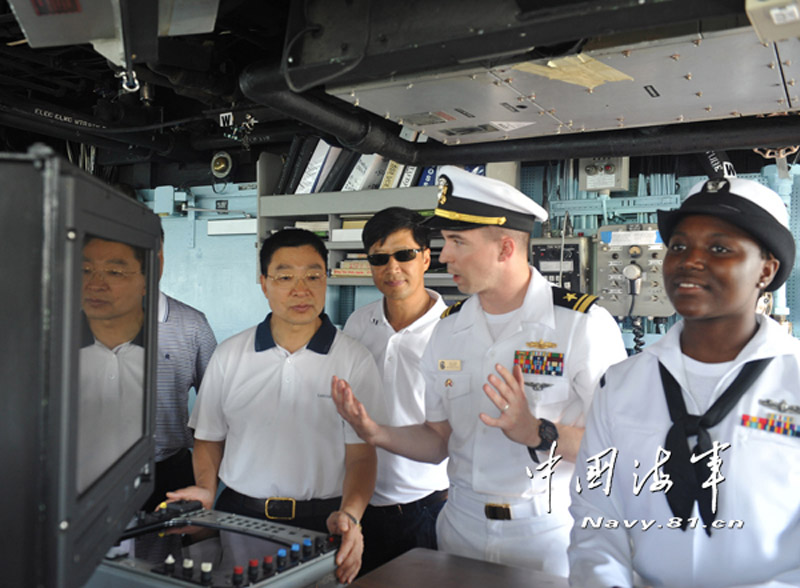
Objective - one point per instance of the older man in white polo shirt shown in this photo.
(542, 349)
(264, 421)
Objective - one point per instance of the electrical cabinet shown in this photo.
(629, 260)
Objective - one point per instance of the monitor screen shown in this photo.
(77, 366)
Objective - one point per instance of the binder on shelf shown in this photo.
(303, 157)
(340, 171)
(394, 169)
(319, 166)
(412, 172)
(391, 177)
(428, 176)
(288, 164)
(327, 167)
(367, 173)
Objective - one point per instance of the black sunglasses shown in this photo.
(402, 255)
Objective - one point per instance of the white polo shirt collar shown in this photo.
(87, 338)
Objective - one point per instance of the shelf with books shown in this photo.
(331, 211)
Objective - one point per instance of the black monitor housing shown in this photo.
(55, 533)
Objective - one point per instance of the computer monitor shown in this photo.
(77, 367)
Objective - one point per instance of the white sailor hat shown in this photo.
(470, 201)
(746, 204)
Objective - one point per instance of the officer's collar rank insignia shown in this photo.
(541, 344)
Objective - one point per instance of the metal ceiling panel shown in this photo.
(692, 78)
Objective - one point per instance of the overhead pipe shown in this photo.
(78, 135)
(368, 133)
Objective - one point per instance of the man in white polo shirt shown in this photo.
(408, 494)
(264, 421)
(110, 409)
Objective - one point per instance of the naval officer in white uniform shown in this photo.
(509, 377)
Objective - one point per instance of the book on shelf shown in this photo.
(313, 226)
(340, 171)
(367, 173)
(411, 173)
(394, 169)
(354, 264)
(354, 223)
(351, 272)
(355, 255)
(346, 234)
(301, 163)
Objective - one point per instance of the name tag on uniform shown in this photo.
(449, 365)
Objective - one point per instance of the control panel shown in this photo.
(629, 259)
(217, 549)
(564, 262)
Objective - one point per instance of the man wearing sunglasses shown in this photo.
(408, 494)
(509, 376)
(264, 422)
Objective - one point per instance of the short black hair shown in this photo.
(138, 252)
(393, 219)
(290, 238)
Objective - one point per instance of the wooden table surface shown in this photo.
(420, 568)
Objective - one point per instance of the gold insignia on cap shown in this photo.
(443, 188)
(570, 297)
(541, 344)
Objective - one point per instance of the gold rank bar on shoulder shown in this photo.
(581, 302)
